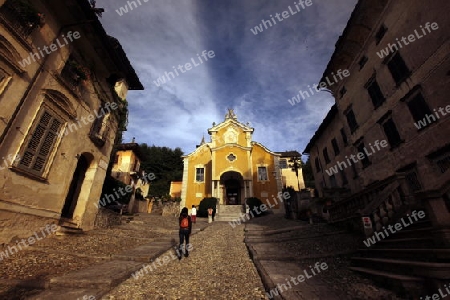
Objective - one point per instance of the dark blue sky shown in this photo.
(253, 74)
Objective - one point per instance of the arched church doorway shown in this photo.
(233, 183)
(75, 187)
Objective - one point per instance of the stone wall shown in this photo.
(171, 209)
(18, 225)
(141, 206)
(106, 218)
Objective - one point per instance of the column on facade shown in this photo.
(245, 189)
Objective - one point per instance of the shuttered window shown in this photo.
(40, 144)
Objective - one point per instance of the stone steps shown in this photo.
(407, 260)
(416, 254)
(431, 270)
(227, 213)
(396, 282)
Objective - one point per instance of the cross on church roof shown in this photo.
(230, 115)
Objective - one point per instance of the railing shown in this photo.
(384, 203)
(21, 16)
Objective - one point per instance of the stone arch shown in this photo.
(233, 187)
(61, 101)
(9, 54)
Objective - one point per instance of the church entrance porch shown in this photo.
(233, 184)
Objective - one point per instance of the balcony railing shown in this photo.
(21, 16)
(384, 202)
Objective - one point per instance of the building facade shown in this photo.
(392, 108)
(127, 168)
(231, 167)
(63, 84)
(289, 161)
(382, 153)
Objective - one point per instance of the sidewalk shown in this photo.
(69, 267)
(283, 249)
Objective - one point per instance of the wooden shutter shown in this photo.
(41, 143)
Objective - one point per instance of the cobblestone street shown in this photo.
(219, 267)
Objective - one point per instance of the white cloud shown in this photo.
(254, 74)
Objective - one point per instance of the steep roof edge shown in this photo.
(364, 16)
(340, 40)
(265, 148)
(133, 147)
(289, 153)
(197, 149)
(115, 49)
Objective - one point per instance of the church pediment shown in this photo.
(231, 120)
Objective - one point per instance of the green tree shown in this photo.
(165, 163)
(308, 175)
(295, 163)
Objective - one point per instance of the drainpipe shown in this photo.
(33, 82)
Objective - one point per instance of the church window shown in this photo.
(200, 174)
(231, 157)
(262, 174)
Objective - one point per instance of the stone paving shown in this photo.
(137, 261)
(27, 273)
(284, 249)
(219, 267)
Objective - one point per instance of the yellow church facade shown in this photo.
(231, 167)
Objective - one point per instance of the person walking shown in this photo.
(185, 223)
(210, 214)
(194, 214)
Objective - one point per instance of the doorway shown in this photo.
(75, 188)
(233, 183)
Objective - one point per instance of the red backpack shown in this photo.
(184, 223)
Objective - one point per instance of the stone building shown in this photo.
(63, 84)
(289, 177)
(231, 167)
(127, 169)
(383, 150)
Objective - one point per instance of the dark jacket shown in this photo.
(185, 215)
